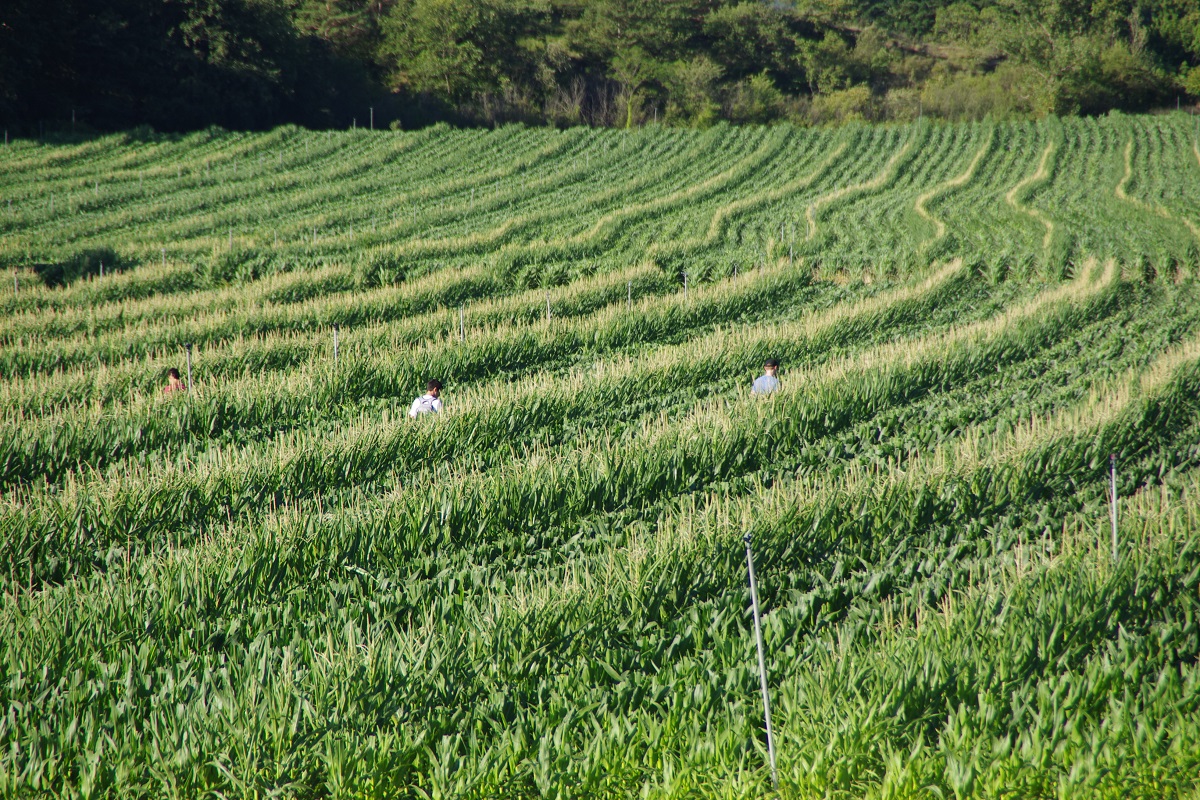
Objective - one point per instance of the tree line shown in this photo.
(185, 64)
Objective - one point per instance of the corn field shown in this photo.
(277, 584)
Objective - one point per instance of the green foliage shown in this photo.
(277, 583)
(344, 63)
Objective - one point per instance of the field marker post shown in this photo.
(1112, 460)
(629, 295)
(335, 344)
(762, 662)
(462, 330)
(547, 307)
(231, 238)
(372, 117)
(16, 283)
(164, 256)
(101, 269)
(188, 347)
(685, 287)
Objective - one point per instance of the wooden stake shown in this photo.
(762, 662)
(1112, 460)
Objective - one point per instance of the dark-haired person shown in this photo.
(767, 382)
(428, 403)
(174, 382)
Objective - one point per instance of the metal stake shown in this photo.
(188, 346)
(685, 287)
(629, 295)
(372, 117)
(762, 662)
(335, 345)
(547, 306)
(164, 256)
(1112, 460)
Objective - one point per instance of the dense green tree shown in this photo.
(747, 38)
(182, 64)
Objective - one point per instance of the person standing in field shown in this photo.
(174, 382)
(767, 382)
(428, 403)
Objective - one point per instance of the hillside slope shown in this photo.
(276, 582)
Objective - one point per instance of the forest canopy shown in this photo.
(177, 65)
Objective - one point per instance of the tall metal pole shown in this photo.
(547, 306)
(462, 329)
(1112, 460)
(762, 662)
(335, 345)
(188, 346)
(685, 287)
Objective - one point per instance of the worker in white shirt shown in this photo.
(428, 403)
(767, 382)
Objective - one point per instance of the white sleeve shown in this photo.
(414, 410)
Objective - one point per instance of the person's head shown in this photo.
(771, 366)
(434, 387)
(173, 374)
